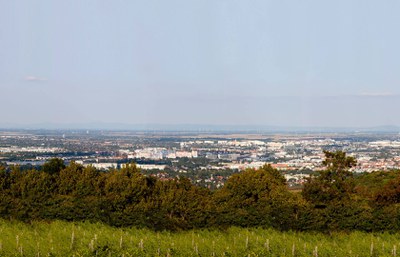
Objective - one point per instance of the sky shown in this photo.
(218, 62)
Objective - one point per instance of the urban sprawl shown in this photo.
(208, 159)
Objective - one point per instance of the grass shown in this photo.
(87, 239)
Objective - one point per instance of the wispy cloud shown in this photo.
(380, 94)
(34, 79)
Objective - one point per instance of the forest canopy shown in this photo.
(333, 199)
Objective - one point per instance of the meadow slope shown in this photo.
(61, 238)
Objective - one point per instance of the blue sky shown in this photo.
(278, 63)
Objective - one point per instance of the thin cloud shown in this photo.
(377, 94)
(34, 79)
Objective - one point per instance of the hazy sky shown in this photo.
(279, 63)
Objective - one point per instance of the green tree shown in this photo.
(254, 198)
(53, 166)
(389, 193)
(335, 183)
(177, 204)
(68, 178)
(130, 169)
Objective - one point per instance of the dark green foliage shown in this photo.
(333, 200)
(368, 185)
(389, 193)
(255, 198)
(338, 161)
(53, 166)
(178, 204)
(334, 184)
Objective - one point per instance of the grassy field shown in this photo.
(86, 239)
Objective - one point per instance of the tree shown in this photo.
(254, 198)
(389, 193)
(53, 166)
(338, 163)
(335, 183)
(130, 169)
(177, 204)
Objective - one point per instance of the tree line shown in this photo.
(331, 200)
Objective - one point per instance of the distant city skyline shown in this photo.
(236, 63)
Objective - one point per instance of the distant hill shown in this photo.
(201, 127)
